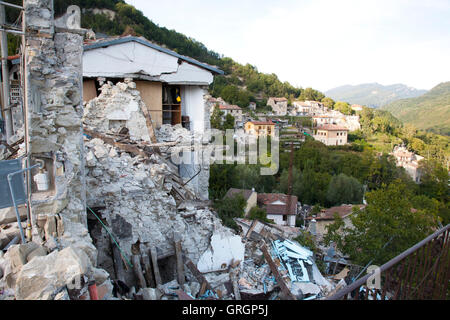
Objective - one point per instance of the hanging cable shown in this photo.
(112, 237)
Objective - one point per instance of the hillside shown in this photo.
(373, 95)
(430, 111)
(240, 84)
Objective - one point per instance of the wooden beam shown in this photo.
(154, 256)
(125, 147)
(138, 271)
(151, 130)
(273, 267)
(148, 271)
(197, 274)
(118, 263)
(179, 257)
(202, 289)
(183, 295)
(237, 293)
(250, 230)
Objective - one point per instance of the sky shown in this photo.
(320, 43)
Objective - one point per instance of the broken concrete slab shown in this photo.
(38, 252)
(43, 276)
(225, 248)
(18, 254)
(8, 215)
(305, 288)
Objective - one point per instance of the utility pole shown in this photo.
(290, 182)
(6, 111)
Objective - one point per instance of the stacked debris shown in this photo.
(146, 207)
(13, 148)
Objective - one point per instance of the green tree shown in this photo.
(229, 208)
(229, 122)
(434, 180)
(344, 190)
(385, 228)
(343, 107)
(257, 213)
(328, 102)
(216, 118)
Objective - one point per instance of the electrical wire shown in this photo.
(112, 237)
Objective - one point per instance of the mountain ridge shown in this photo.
(430, 111)
(373, 94)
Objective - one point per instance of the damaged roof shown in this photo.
(275, 203)
(343, 211)
(229, 107)
(245, 193)
(102, 43)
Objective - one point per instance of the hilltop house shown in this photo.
(408, 160)
(235, 111)
(323, 119)
(338, 118)
(260, 128)
(280, 208)
(331, 135)
(172, 86)
(356, 107)
(279, 105)
(301, 108)
(317, 224)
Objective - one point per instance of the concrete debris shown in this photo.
(8, 215)
(42, 276)
(117, 193)
(9, 232)
(117, 106)
(296, 268)
(224, 249)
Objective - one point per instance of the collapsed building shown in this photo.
(109, 215)
(172, 87)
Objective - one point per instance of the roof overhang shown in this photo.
(144, 42)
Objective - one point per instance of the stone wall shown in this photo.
(53, 74)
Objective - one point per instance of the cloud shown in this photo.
(321, 43)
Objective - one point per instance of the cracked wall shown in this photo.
(53, 74)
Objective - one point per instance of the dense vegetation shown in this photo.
(381, 131)
(240, 85)
(323, 175)
(430, 111)
(385, 228)
(373, 95)
(329, 176)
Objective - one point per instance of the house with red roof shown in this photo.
(279, 105)
(331, 134)
(260, 128)
(318, 223)
(234, 110)
(280, 208)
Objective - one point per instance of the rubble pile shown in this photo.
(59, 259)
(137, 191)
(118, 106)
(138, 196)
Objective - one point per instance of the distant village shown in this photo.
(328, 126)
(90, 192)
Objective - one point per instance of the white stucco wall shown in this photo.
(193, 105)
(188, 73)
(132, 59)
(127, 58)
(278, 219)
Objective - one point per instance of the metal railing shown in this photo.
(421, 272)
